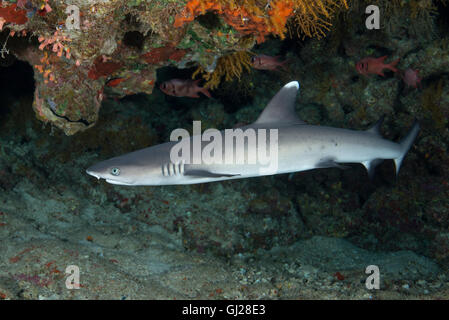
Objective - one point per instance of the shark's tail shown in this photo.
(406, 143)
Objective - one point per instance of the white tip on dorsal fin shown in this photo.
(281, 108)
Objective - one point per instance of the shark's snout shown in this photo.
(98, 170)
(92, 173)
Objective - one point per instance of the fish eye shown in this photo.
(253, 59)
(115, 171)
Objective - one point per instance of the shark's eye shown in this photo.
(115, 171)
(164, 86)
(253, 59)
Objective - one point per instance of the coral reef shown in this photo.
(312, 18)
(118, 42)
(115, 42)
(229, 67)
(431, 102)
(262, 18)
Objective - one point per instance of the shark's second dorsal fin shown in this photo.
(281, 108)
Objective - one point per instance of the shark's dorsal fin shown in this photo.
(281, 108)
(376, 127)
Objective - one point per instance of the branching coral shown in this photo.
(155, 17)
(45, 68)
(262, 18)
(229, 66)
(312, 18)
(56, 41)
(257, 19)
(58, 44)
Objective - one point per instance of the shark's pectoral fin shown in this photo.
(371, 165)
(207, 174)
(329, 163)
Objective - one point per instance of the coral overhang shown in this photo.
(76, 68)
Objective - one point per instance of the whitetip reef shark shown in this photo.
(300, 147)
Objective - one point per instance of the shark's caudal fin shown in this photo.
(281, 108)
(406, 143)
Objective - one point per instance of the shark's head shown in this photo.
(119, 170)
(114, 174)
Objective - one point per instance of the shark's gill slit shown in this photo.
(181, 168)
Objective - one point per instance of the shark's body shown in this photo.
(300, 147)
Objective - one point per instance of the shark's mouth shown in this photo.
(122, 183)
(111, 181)
(92, 174)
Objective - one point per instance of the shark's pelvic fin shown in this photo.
(281, 109)
(406, 143)
(371, 166)
(207, 174)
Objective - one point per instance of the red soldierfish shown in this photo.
(372, 65)
(264, 62)
(183, 88)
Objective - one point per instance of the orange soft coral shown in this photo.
(279, 14)
(245, 19)
(261, 18)
(245, 23)
(194, 8)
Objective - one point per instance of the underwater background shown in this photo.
(72, 98)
